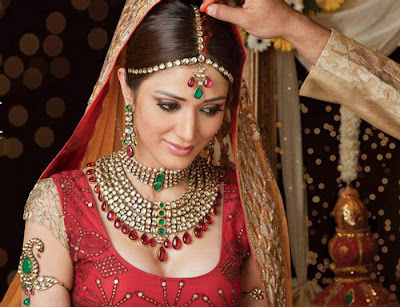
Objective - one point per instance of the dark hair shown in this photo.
(168, 33)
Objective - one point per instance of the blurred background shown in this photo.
(50, 57)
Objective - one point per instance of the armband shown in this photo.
(28, 269)
(255, 294)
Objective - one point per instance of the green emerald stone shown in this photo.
(160, 177)
(27, 301)
(157, 186)
(161, 212)
(27, 266)
(349, 298)
(161, 205)
(128, 108)
(198, 93)
(161, 231)
(125, 142)
(161, 221)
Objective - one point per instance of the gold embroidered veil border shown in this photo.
(260, 196)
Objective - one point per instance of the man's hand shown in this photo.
(272, 19)
(261, 18)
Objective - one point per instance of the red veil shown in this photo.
(239, 146)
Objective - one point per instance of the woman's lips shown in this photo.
(178, 150)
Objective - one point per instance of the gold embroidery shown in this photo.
(261, 201)
(44, 207)
(369, 83)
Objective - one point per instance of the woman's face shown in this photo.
(172, 126)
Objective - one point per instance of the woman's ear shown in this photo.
(126, 90)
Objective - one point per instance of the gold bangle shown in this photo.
(255, 294)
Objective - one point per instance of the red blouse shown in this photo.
(103, 278)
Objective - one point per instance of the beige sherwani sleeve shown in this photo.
(352, 75)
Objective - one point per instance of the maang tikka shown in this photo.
(200, 78)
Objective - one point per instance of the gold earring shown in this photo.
(210, 153)
(129, 133)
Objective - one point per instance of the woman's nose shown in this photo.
(187, 127)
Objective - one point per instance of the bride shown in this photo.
(163, 195)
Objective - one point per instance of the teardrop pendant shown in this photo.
(198, 93)
(162, 254)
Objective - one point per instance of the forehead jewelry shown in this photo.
(200, 78)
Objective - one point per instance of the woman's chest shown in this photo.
(187, 254)
(107, 271)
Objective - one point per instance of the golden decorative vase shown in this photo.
(352, 249)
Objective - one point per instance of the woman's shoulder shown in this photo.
(43, 206)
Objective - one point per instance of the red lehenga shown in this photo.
(103, 278)
(238, 147)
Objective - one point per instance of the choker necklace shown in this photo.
(157, 221)
(157, 178)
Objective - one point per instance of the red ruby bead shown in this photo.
(144, 239)
(103, 206)
(162, 254)
(167, 243)
(198, 232)
(100, 197)
(191, 82)
(90, 171)
(96, 188)
(203, 226)
(110, 216)
(90, 164)
(208, 219)
(153, 242)
(208, 83)
(92, 179)
(214, 210)
(133, 235)
(129, 151)
(125, 229)
(117, 223)
(177, 243)
(187, 239)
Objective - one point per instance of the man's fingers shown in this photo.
(226, 13)
(205, 4)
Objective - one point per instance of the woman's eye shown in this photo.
(168, 106)
(212, 110)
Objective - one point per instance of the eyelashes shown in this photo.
(167, 106)
(172, 107)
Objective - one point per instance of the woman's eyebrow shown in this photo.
(171, 95)
(183, 99)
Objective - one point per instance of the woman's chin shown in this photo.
(174, 162)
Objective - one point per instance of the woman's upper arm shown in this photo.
(44, 226)
(249, 281)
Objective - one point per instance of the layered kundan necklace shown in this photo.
(157, 178)
(161, 224)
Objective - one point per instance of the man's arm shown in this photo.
(344, 71)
